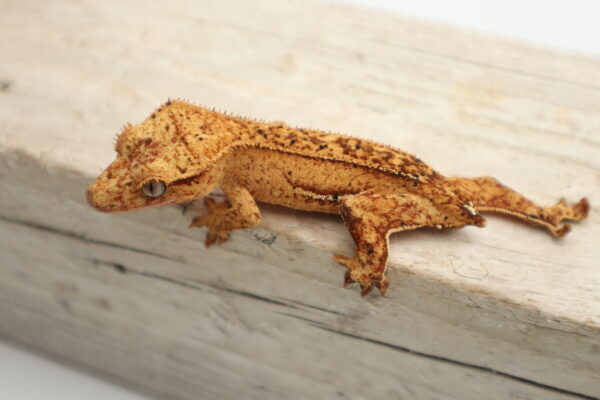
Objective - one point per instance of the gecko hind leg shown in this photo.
(371, 219)
(238, 211)
(489, 195)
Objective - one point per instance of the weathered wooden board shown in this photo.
(502, 312)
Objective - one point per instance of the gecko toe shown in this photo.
(562, 231)
(342, 259)
(348, 279)
(215, 238)
(199, 221)
(365, 290)
(581, 209)
(210, 202)
(382, 285)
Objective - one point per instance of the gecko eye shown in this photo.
(154, 188)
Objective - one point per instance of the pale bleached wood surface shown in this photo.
(502, 311)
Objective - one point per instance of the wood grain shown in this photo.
(497, 313)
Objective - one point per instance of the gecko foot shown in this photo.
(211, 219)
(561, 211)
(205, 219)
(580, 210)
(215, 238)
(365, 277)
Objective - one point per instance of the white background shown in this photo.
(570, 24)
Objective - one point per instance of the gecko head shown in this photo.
(163, 160)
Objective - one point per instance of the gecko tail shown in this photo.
(489, 195)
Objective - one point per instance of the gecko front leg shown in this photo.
(237, 211)
(372, 218)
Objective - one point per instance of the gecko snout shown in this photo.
(97, 197)
(93, 201)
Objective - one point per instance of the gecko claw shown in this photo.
(203, 220)
(199, 221)
(581, 209)
(365, 290)
(367, 281)
(215, 238)
(382, 285)
(209, 203)
(348, 263)
(347, 279)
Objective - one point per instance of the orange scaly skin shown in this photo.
(376, 189)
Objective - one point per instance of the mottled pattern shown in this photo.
(376, 189)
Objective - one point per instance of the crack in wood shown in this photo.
(116, 266)
(237, 292)
(194, 286)
(83, 238)
(311, 322)
(458, 363)
(318, 308)
(120, 268)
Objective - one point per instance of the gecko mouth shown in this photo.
(133, 203)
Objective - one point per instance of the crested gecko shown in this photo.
(182, 152)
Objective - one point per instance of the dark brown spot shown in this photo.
(153, 115)
(148, 141)
(167, 127)
(181, 169)
(260, 131)
(168, 102)
(415, 184)
(289, 172)
(323, 146)
(292, 141)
